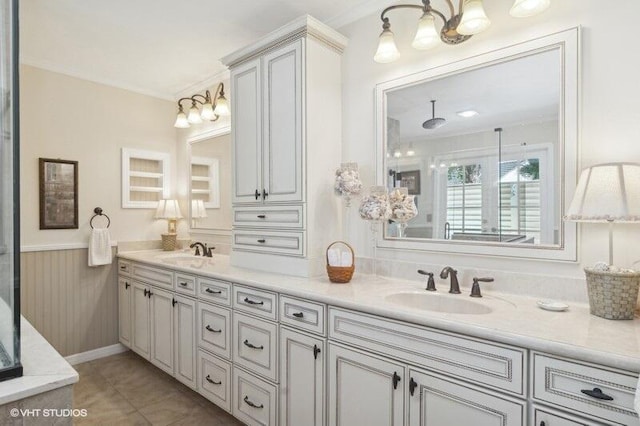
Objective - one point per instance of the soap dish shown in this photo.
(552, 306)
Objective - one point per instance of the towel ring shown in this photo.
(98, 212)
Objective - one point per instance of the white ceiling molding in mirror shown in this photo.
(496, 174)
(209, 166)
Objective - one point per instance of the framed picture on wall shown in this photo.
(58, 194)
(410, 180)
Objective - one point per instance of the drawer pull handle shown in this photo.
(316, 351)
(208, 290)
(123, 267)
(251, 404)
(208, 378)
(252, 346)
(262, 216)
(208, 327)
(597, 394)
(413, 385)
(262, 241)
(298, 314)
(183, 284)
(252, 302)
(396, 380)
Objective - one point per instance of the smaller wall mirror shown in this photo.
(209, 159)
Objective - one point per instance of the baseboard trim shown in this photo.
(96, 354)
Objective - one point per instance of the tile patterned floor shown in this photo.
(125, 389)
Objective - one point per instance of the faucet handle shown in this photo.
(431, 283)
(475, 288)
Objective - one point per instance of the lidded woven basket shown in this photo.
(612, 295)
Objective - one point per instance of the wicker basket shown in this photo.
(341, 274)
(169, 242)
(612, 295)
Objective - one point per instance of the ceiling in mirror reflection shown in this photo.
(521, 91)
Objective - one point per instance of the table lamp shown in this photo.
(170, 210)
(609, 193)
(198, 211)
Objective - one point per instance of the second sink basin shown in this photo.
(439, 303)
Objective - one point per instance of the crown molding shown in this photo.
(49, 66)
(357, 12)
(202, 85)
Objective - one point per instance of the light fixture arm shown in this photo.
(195, 99)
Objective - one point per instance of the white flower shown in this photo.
(375, 207)
(348, 182)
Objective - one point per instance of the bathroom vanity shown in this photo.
(275, 349)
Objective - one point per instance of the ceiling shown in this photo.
(521, 91)
(158, 47)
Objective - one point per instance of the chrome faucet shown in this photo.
(206, 251)
(454, 287)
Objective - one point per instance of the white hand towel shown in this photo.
(99, 247)
(334, 257)
(636, 400)
(346, 258)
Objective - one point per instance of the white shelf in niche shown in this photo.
(145, 178)
(205, 181)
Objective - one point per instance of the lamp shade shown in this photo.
(526, 8)
(194, 115)
(222, 107)
(607, 193)
(474, 19)
(168, 209)
(181, 120)
(207, 111)
(426, 36)
(387, 49)
(198, 211)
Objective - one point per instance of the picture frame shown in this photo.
(58, 194)
(410, 180)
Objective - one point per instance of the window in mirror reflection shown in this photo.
(490, 173)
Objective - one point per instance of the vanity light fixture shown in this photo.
(459, 27)
(212, 108)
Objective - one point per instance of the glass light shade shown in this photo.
(474, 19)
(427, 36)
(194, 115)
(222, 107)
(168, 209)
(607, 193)
(387, 50)
(181, 121)
(207, 112)
(198, 210)
(525, 8)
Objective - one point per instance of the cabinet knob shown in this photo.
(412, 386)
(126, 285)
(597, 394)
(316, 351)
(396, 380)
(265, 194)
(208, 379)
(145, 292)
(173, 302)
(183, 284)
(251, 404)
(257, 194)
(262, 241)
(262, 216)
(149, 294)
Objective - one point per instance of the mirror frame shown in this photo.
(201, 137)
(568, 42)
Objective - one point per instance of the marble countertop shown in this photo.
(44, 369)
(514, 319)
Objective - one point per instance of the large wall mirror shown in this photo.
(487, 147)
(209, 157)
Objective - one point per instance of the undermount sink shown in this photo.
(439, 303)
(186, 259)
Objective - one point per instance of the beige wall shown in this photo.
(72, 119)
(608, 106)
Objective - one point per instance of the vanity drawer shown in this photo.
(214, 291)
(124, 267)
(291, 243)
(214, 379)
(185, 284)
(301, 314)
(155, 276)
(474, 360)
(255, 345)
(269, 217)
(214, 329)
(563, 383)
(255, 401)
(258, 302)
(548, 417)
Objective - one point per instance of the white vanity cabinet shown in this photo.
(286, 136)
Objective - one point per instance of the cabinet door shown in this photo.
(365, 390)
(161, 316)
(302, 367)
(125, 295)
(282, 139)
(436, 401)
(246, 122)
(140, 342)
(184, 326)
